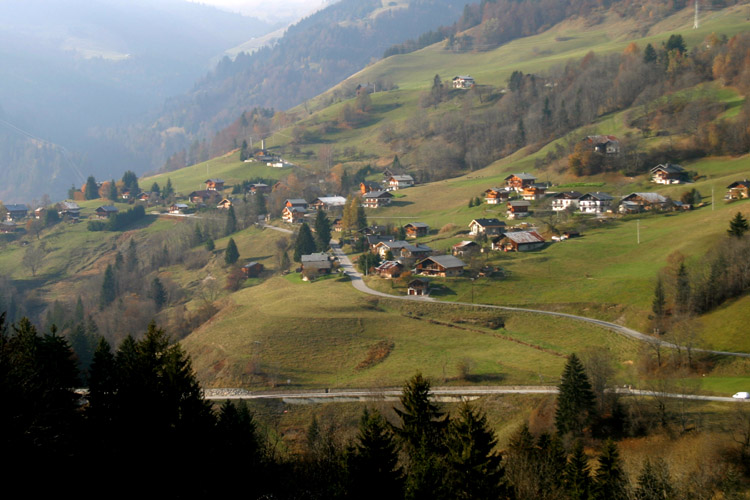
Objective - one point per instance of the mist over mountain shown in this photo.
(71, 68)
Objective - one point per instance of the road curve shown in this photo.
(359, 284)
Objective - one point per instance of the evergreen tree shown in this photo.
(78, 315)
(401, 233)
(244, 153)
(197, 235)
(231, 226)
(158, 293)
(109, 288)
(131, 261)
(471, 202)
(738, 226)
(610, 481)
(396, 166)
(659, 304)
(92, 191)
(575, 399)
(305, 243)
(322, 231)
(72, 192)
(155, 189)
(260, 204)
(168, 189)
(361, 217)
(102, 384)
(112, 190)
(576, 475)
(682, 295)
(210, 246)
(373, 460)
(654, 482)
(676, 42)
(130, 182)
(231, 254)
(477, 201)
(649, 54)
(422, 433)
(474, 469)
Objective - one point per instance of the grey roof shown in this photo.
(739, 183)
(388, 264)
(497, 189)
(417, 224)
(489, 222)
(670, 168)
(251, 264)
(215, 181)
(180, 205)
(378, 194)
(296, 209)
(332, 200)
(20, 207)
(315, 257)
(417, 248)
(107, 208)
(598, 196)
(649, 197)
(374, 239)
(393, 245)
(402, 178)
(446, 261)
(465, 244)
(463, 77)
(524, 237)
(523, 176)
(519, 203)
(296, 201)
(69, 205)
(568, 195)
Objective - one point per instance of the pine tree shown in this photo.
(130, 182)
(109, 288)
(231, 226)
(92, 191)
(649, 54)
(738, 226)
(576, 475)
(471, 202)
(361, 217)
(112, 190)
(305, 243)
(231, 254)
(168, 189)
(260, 204)
(197, 235)
(575, 399)
(659, 304)
(396, 166)
(322, 231)
(610, 481)
(654, 482)
(158, 293)
(401, 233)
(131, 261)
(373, 460)
(210, 245)
(682, 295)
(155, 189)
(474, 469)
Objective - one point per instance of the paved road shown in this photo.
(360, 285)
(344, 395)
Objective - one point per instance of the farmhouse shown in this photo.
(637, 202)
(463, 82)
(486, 226)
(390, 269)
(519, 241)
(416, 229)
(495, 195)
(419, 286)
(295, 203)
(177, 208)
(203, 196)
(669, 173)
(316, 263)
(69, 209)
(517, 182)
(329, 202)
(374, 230)
(382, 247)
(466, 247)
(604, 144)
(16, 212)
(214, 184)
(441, 265)
(7, 227)
(376, 199)
(367, 186)
(259, 188)
(562, 201)
(396, 182)
(252, 269)
(517, 209)
(293, 215)
(738, 190)
(411, 253)
(225, 203)
(595, 203)
(105, 211)
(534, 192)
(374, 239)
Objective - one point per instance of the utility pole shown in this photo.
(695, 23)
(712, 198)
(638, 230)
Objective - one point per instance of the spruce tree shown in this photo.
(322, 231)
(575, 399)
(361, 220)
(738, 226)
(158, 293)
(260, 204)
(231, 225)
(649, 54)
(474, 469)
(112, 190)
(373, 460)
(576, 475)
(92, 192)
(130, 182)
(131, 260)
(401, 236)
(109, 288)
(610, 481)
(654, 482)
(682, 295)
(659, 304)
(168, 189)
(231, 254)
(210, 245)
(305, 243)
(155, 189)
